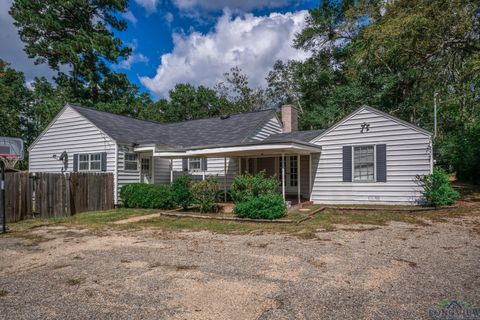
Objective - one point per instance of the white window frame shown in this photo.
(89, 161)
(130, 161)
(374, 163)
(194, 160)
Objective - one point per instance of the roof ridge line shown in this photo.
(161, 123)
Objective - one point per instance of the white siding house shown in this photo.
(367, 158)
(73, 133)
(408, 153)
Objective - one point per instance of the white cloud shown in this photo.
(150, 6)
(128, 15)
(132, 59)
(11, 48)
(216, 5)
(250, 42)
(169, 18)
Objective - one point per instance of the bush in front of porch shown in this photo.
(256, 197)
(182, 192)
(147, 196)
(205, 194)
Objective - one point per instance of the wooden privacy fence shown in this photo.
(48, 195)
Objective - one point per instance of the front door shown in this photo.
(145, 169)
(291, 173)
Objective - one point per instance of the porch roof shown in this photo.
(246, 149)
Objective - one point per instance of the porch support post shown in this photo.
(171, 171)
(225, 178)
(153, 169)
(203, 168)
(240, 165)
(310, 177)
(283, 176)
(298, 179)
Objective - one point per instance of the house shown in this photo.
(369, 157)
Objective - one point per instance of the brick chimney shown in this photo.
(289, 118)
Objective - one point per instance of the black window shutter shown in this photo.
(347, 164)
(103, 164)
(381, 162)
(204, 164)
(75, 162)
(185, 164)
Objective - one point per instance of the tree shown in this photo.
(187, 102)
(395, 56)
(283, 87)
(236, 89)
(14, 97)
(76, 35)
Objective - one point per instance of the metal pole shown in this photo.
(283, 176)
(2, 190)
(435, 114)
(225, 178)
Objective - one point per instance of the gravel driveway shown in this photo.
(397, 271)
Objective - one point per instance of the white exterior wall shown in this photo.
(161, 171)
(408, 154)
(126, 176)
(73, 133)
(271, 127)
(215, 167)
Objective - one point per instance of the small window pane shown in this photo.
(131, 161)
(363, 163)
(83, 166)
(95, 165)
(83, 162)
(194, 164)
(95, 157)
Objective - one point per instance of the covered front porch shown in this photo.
(293, 163)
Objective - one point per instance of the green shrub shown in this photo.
(461, 150)
(248, 186)
(181, 191)
(221, 196)
(149, 196)
(265, 206)
(205, 194)
(437, 189)
(256, 197)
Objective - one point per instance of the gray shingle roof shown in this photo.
(235, 129)
(305, 136)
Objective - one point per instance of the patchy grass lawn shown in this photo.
(325, 220)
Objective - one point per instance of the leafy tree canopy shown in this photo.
(74, 35)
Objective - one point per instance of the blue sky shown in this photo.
(193, 41)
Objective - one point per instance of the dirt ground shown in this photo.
(398, 271)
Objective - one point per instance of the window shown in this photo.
(95, 161)
(131, 162)
(145, 166)
(89, 162)
(364, 163)
(293, 172)
(194, 164)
